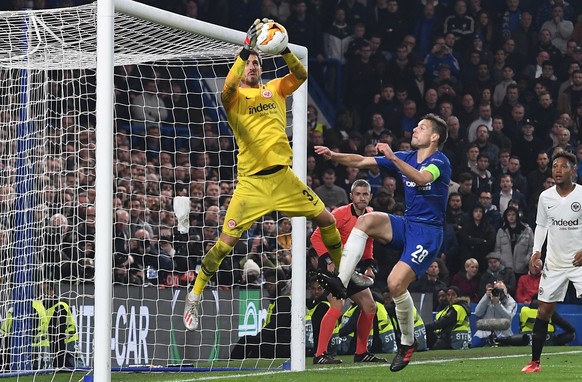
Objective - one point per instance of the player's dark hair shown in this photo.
(360, 183)
(440, 126)
(566, 155)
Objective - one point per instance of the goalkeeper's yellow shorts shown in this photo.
(258, 195)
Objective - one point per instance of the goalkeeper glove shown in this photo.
(251, 39)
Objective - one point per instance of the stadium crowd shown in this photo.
(505, 75)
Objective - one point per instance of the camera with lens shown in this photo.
(496, 292)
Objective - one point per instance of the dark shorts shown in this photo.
(420, 243)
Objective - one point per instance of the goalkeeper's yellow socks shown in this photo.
(210, 264)
(333, 242)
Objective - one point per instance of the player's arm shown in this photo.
(231, 84)
(541, 231)
(421, 178)
(349, 160)
(298, 73)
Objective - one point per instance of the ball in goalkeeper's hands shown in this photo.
(272, 38)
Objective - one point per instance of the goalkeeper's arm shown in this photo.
(295, 66)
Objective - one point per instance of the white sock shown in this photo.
(405, 316)
(351, 255)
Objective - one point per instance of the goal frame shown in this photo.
(104, 163)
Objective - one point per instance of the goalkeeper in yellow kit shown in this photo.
(257, 116)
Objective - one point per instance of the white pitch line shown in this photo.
(351, 366)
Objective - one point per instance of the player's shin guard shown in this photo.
(210, 264)
(405, 316)
(352, 254)
(540, 331)
(333, 242)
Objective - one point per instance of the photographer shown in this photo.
(496, 303)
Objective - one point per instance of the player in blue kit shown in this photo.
(426, 173)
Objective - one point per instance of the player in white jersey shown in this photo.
(559, 218)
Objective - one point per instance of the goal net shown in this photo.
(171, 139)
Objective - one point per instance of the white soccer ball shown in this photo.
(272, 38)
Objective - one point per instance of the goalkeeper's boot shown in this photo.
(403, 356)
(191, 315)
(532, 367)
(332, 284)
(361, 280)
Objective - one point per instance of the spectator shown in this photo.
(528, 284)
(477, 237)
(426, 27)
(549, 79)
(455, 214)
(514, 242)
(509, 18)
(331, 195)
(388, 22)
(450, 329)
(560, 29)
(492, 215)
(482, 178)
(147, 106)
(571, 97)
(484, 118)
(545, 44)
(429, 283)
(537, 177)
(496, 303)
(372, 136)
(408, 120)
(487, 29)
(507, 193)
(525, 37)
(441, 54)
(362, 78)
(485, 146)
(453, 147)
(385, 104)
(467, 280)
(519, 180)
(498, 137)
(468, 198)
(461, 24)
(501, 88)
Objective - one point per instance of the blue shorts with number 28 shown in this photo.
(420, 243)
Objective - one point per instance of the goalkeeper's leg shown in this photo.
(210, 264)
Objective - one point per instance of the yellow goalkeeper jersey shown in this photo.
(257, 117)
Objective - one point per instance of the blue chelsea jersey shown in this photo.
(428, 203)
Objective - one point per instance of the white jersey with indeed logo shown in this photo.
(562, 217)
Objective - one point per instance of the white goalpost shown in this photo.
(109, 111)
